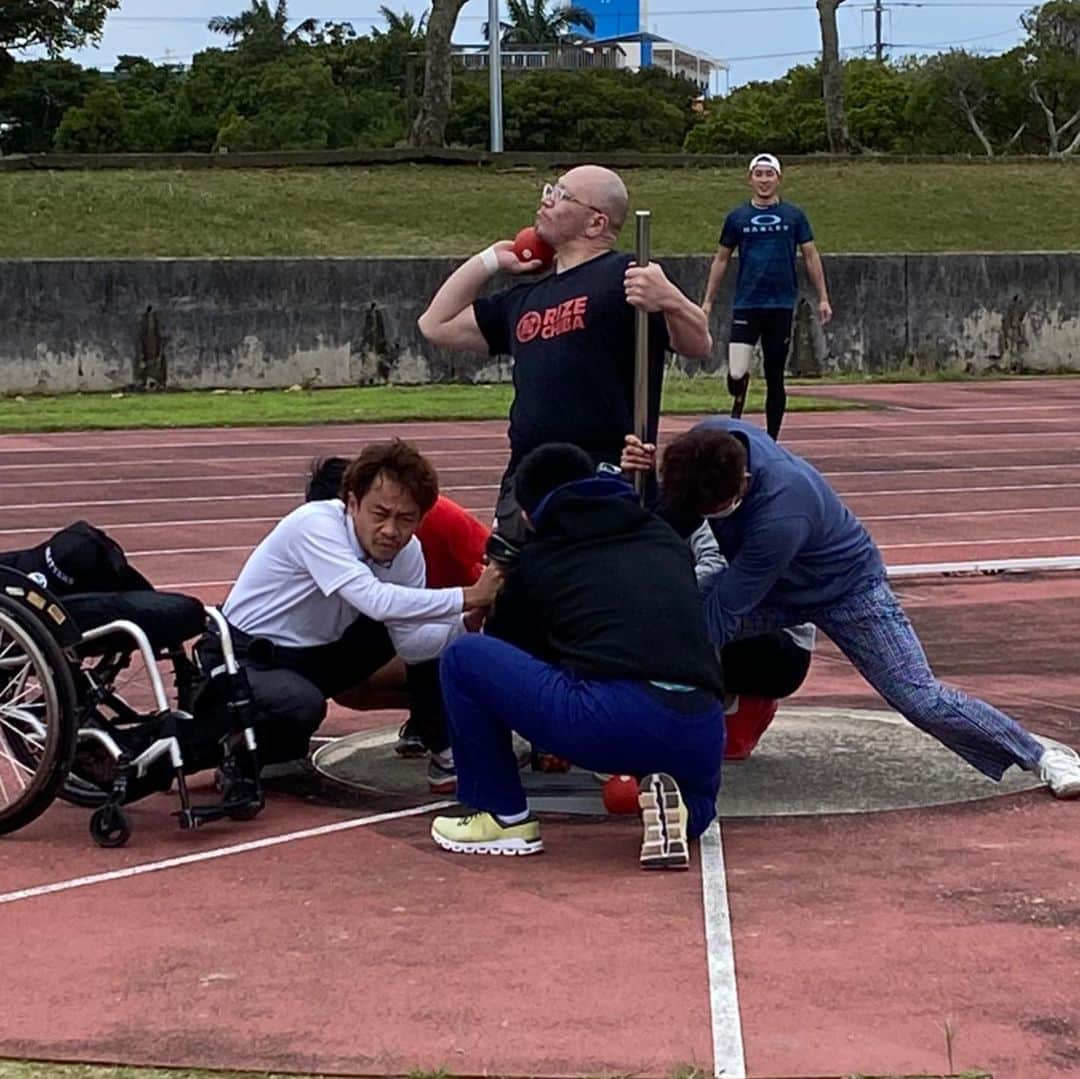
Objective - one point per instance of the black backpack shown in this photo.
(79, 558)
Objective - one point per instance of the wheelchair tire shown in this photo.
(109, 827)
(36, 690)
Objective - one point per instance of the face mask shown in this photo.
(726, 512)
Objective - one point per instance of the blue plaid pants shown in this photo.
(871, 629)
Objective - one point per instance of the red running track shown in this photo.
(856, 938)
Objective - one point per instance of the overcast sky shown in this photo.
(758, 40)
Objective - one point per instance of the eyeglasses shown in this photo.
(556, 193)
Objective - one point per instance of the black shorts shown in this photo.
(768, 665)
(770, 325)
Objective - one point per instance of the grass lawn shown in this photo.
(455, 210)
(236, 408)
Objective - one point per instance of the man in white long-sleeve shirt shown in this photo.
(335, 591)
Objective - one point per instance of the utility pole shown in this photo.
(878, 45)
(495, 106)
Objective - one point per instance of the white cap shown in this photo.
(768, 160)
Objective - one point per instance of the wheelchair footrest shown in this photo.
(243, 808)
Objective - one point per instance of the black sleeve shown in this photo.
(491, 317)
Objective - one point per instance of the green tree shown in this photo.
(98, 126)
(575, 111)
(963, 103)
(1052, 65)
(875, 100)
(37, 94)
(204, 99)
(786, 115)
(293, 107)
(55, 24)
(263, 31)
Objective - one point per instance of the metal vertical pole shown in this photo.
(495, 77)
(878, 47)
(641, 352)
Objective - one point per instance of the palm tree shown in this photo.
(403, 25)
(533, 24)
(260, 23)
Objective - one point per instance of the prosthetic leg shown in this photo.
(738, 378)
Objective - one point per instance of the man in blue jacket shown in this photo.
(796, 554)
(597, 651)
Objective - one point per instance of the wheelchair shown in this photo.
(70, 729)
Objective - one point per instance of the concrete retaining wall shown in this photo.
(200, 323)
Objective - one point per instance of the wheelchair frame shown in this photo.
(70, 692)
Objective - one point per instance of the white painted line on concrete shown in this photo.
(1059, 563)
(728, 1059)
(1025, 511)
(1027, 541)
(232, 478)
(218, 852)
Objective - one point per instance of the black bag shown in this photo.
(79, 558)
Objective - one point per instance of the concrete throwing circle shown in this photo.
(810, 761)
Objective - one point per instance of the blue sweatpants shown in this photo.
(492, 688)
(872, 630)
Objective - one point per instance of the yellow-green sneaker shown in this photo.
(664, 820)
(482, 833)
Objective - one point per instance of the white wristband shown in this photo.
(490, 260)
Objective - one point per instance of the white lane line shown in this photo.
(728, 1059)
(899, 571)
(157, 479)
(338, 437)
(218, 852)
(1056, 564)
(241, 458)
(291, 497)
(931, 544)
(1025, 511)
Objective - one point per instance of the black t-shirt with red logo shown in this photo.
(571, 336)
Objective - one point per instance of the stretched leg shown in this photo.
(872, 630)
(775, 341)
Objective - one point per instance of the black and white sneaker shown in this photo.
(408, 743)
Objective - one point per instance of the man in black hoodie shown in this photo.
(597, 651)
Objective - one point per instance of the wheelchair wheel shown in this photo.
(37, 717)
(109, 827)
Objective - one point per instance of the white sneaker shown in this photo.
(664, 819)
(1059, 769)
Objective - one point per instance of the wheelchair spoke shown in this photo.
(36, 719)
(16, 766)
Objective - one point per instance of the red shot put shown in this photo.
(530, 245)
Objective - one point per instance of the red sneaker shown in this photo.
(746, 725)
